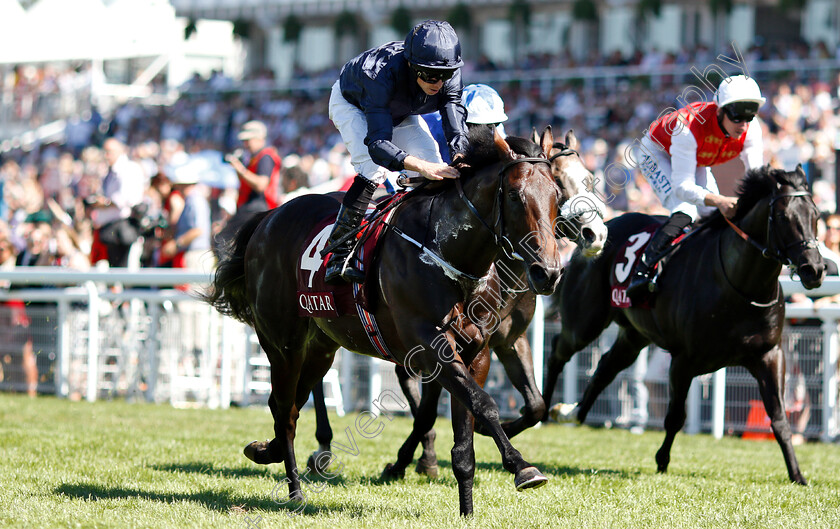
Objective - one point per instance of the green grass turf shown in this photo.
(115, 464)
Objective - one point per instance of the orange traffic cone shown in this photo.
(758, 423)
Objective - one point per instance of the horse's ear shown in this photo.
(799, 170)
(505, 152)
(547, 141)
(534, 136)
(571, 140)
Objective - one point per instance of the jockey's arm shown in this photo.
(683, 176)
(753, 152)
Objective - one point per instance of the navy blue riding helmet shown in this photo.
(432, 48)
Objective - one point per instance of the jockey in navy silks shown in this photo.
(376, 105)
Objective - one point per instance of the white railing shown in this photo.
(227, 356)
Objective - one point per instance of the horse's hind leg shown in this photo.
(680, 382)
(424, 421)
(427, 464)
(770, 374)
(323, 431)
(621, 355)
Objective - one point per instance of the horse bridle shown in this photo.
(498, 228)
(773, 250)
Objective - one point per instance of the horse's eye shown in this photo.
(513, 194)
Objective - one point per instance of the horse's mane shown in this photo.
(758, 184)
(483, 151)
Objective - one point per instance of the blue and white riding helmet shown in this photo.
(484, 106)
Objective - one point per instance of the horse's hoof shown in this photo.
(318, 464)
(390, 473)
(257, 451)
(426, 470)
(529, 478)
(563, 413)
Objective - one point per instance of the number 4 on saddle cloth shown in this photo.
(625, 260)
(317, 299)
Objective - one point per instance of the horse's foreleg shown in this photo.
(457, 379)
(680, 382)
(323, 431)
(427, 464)
(561, 351)
(621, 355)
(463, 455)
(424, 420)
(770, 374)
(519, 366)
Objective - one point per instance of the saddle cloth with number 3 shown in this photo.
(625, 261)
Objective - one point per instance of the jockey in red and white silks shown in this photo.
(678, 167)
(678, 152)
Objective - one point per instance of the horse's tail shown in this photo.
(227, 291)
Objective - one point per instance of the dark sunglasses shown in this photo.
(433, 76)
(741, 111)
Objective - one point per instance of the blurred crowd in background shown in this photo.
(48, 191)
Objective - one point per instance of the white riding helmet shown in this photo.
(738, 88)
(483, 105)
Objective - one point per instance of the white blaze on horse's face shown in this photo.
(583, 205)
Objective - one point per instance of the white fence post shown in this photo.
(537, 329)
(829, 389)
(93, 341)
(719, 403)
(62, 372)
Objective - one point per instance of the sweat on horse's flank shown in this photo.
(114, 464)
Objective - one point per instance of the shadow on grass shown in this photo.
(552, 469)
(213, 469)
(220, 501)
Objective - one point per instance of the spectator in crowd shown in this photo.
(191, 240)
(122, 189)
(15, 339)
(259, 182)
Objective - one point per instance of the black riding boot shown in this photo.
(339, 266)
(640, 284)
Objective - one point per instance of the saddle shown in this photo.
(317, 299)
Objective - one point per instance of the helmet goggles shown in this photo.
(741, 111)
(432, 75)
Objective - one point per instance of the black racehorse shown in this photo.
(719, 301)
(505, 201)
(583, 223)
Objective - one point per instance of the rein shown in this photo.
(501, 240)
(767, 251)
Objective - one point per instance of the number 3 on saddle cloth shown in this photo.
(316, 299)
(624, 263)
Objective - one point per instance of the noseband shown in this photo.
(498, 228)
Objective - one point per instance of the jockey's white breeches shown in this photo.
(412, 135)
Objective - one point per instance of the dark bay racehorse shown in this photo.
(583, 223)
(508, 203)
(719, 302)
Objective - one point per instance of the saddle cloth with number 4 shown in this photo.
(316, 299)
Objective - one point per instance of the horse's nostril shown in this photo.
(588, 235)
